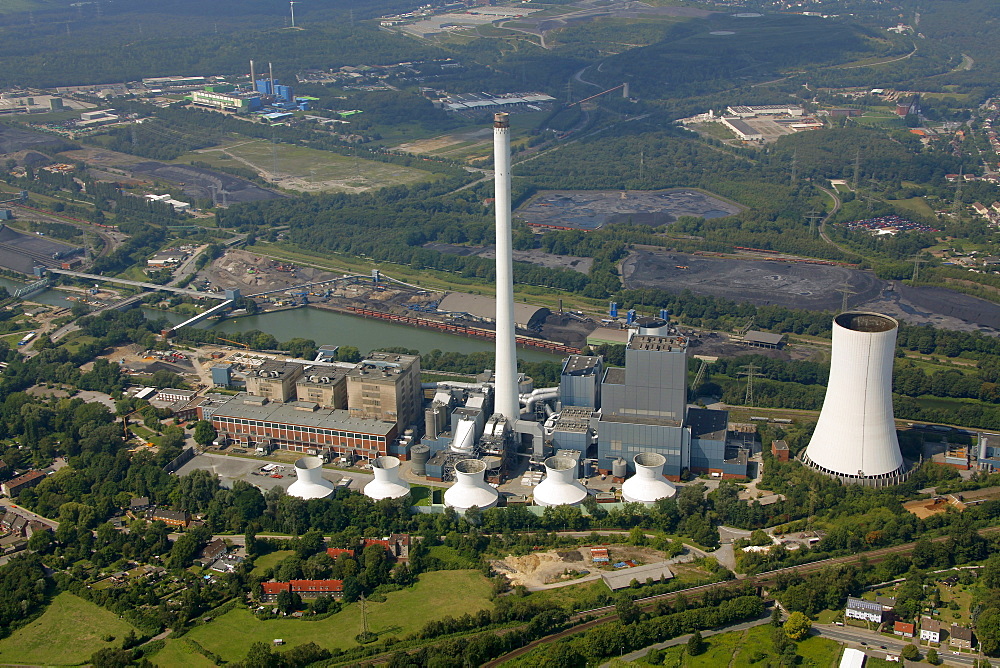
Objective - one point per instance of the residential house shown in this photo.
(960, 637)
(173, 518)
(887, 602)
(868, 611)
(930, 629)
(396, 545)
(304, 588)
(217, 548)
(227, 563)
(317, 588)
(138, 504)
(904, 629)
(336, 552)
(22, 482)
(272, 589)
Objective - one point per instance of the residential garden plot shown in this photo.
(307, 169)
(438, 594)
(67, 633)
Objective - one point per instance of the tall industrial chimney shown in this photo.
(270, 74)
(253, 77)
(506, 401)
(855, 437)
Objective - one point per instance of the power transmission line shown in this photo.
(750, 373)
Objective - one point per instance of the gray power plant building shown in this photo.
(644, 409)
(580, 381)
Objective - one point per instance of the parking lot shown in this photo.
(280, 474)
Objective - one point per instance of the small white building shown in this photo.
(868, 611)
(853, 658)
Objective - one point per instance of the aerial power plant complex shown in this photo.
(633, 424)
(855, 438)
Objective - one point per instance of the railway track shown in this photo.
(606, 614)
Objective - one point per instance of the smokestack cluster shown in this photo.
(507, 402)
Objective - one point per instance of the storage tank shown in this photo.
(309, 482)
(560, 486)
(652, 326)
(386, 484)
(648, 484)
(619, 468)
(470, 488)
(855, 436)
(419, 454)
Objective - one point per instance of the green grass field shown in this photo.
(917, 205)
(748, 648)
(180, 653)
(438, 594)
(307, 169)
(269, 560)
(67, 633)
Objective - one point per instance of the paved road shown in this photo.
(872, 643)
(27, 513)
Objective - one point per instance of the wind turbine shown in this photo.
(292, 4)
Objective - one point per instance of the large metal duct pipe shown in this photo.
(386, 484)
(560, 486)
(506, 353)
(309, 482)
(648, 484)
(470, 488)
(855, 437)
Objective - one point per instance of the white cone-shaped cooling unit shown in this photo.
(386, 484)
(855, 437)
(470, 488)
(309, 482)
(648, 484)
(560, 487)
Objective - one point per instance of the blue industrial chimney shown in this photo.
(665, 314)
(630, 316)
(614, 310)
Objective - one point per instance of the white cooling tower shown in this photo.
(505, 380)
(386, 484)
(648, 484)
(470, 488)
(560, 487)
(855, 437)
(309, 482)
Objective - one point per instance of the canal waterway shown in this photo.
(323, 327)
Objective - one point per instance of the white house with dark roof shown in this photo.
(868, 611)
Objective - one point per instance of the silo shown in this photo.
(470, 488)
(560, 486)
(619, 468)
(309, 482)
(386, 484)
(648, 484)
(855, 436)
(419, 454)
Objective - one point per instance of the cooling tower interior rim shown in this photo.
(560, 463)
(470, 466)
(308, 463)
(860, 321)
(650, 459)
(385, 462)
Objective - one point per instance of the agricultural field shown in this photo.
(67, 633)
(306, 169)
(438, 594)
